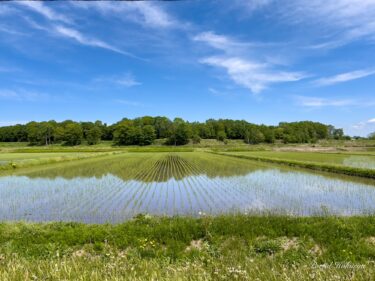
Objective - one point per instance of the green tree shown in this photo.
(179, 133)
(253, 135)
(196, 139)
(59, 133)
(221, 135)
(162, 126)
(73, 134)
(148, 135)
(34, 133)
(338, 134)
(126, 133)
(121, 133)
(93, 135)
(47, 130)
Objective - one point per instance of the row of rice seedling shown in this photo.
(196, 183)
(12, 161)
(145, 189)
(135, 188)
(175, 184)
(216, 185)
(365, 161)
(340, 169)
(77, 204)
(220, 173)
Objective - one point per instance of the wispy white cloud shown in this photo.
(145, 13)
(244, 67)
(84, 40)
(252, 5)
(340, 22)
(11, 30)
(22, 95)
(45, 11)
(70, 32)
(214, 91)
(251, 75)
(153, 15)
(227, 43)
(363, 128)
(324, 102)
(344, 77)
(318, 102)
(6, 9)
(219, 41)
(127, 80)
(77, 36)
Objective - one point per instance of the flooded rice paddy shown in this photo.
(115, 188)
(349, 160)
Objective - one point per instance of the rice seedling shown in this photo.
(366, 161)
(115, 188)
(367, 172)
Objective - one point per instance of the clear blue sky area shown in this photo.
(263, 61)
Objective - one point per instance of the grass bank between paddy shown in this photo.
(339, 169)
(230, 247)
(27, 160)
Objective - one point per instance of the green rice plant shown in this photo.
(11, 161)
(351, 171)
(160, 149)
(114, 188)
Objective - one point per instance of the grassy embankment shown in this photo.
(35, 155)
(231, 145)
(12, 161)
(221, 248)
(317, 166)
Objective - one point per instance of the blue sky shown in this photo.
(263, 61)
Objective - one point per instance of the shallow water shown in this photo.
(349, 160)
(364, 162)
(113, 189)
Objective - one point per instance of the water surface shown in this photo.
(115, 188)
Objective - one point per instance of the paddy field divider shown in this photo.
(350, 171)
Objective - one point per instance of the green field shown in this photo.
(358, 160)
(115, 188)
(165, 213)
(221, 248)
(16, 160)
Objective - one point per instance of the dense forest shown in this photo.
(144, 130)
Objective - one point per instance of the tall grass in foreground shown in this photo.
(233, 247)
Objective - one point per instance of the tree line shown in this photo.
(145, 130)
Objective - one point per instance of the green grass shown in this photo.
(12, 161)
(348, 143)
(233, 247)
(345, 170)
(160, 149)
(319, 157)
(116, 187)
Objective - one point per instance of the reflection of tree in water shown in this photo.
(151, 167)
